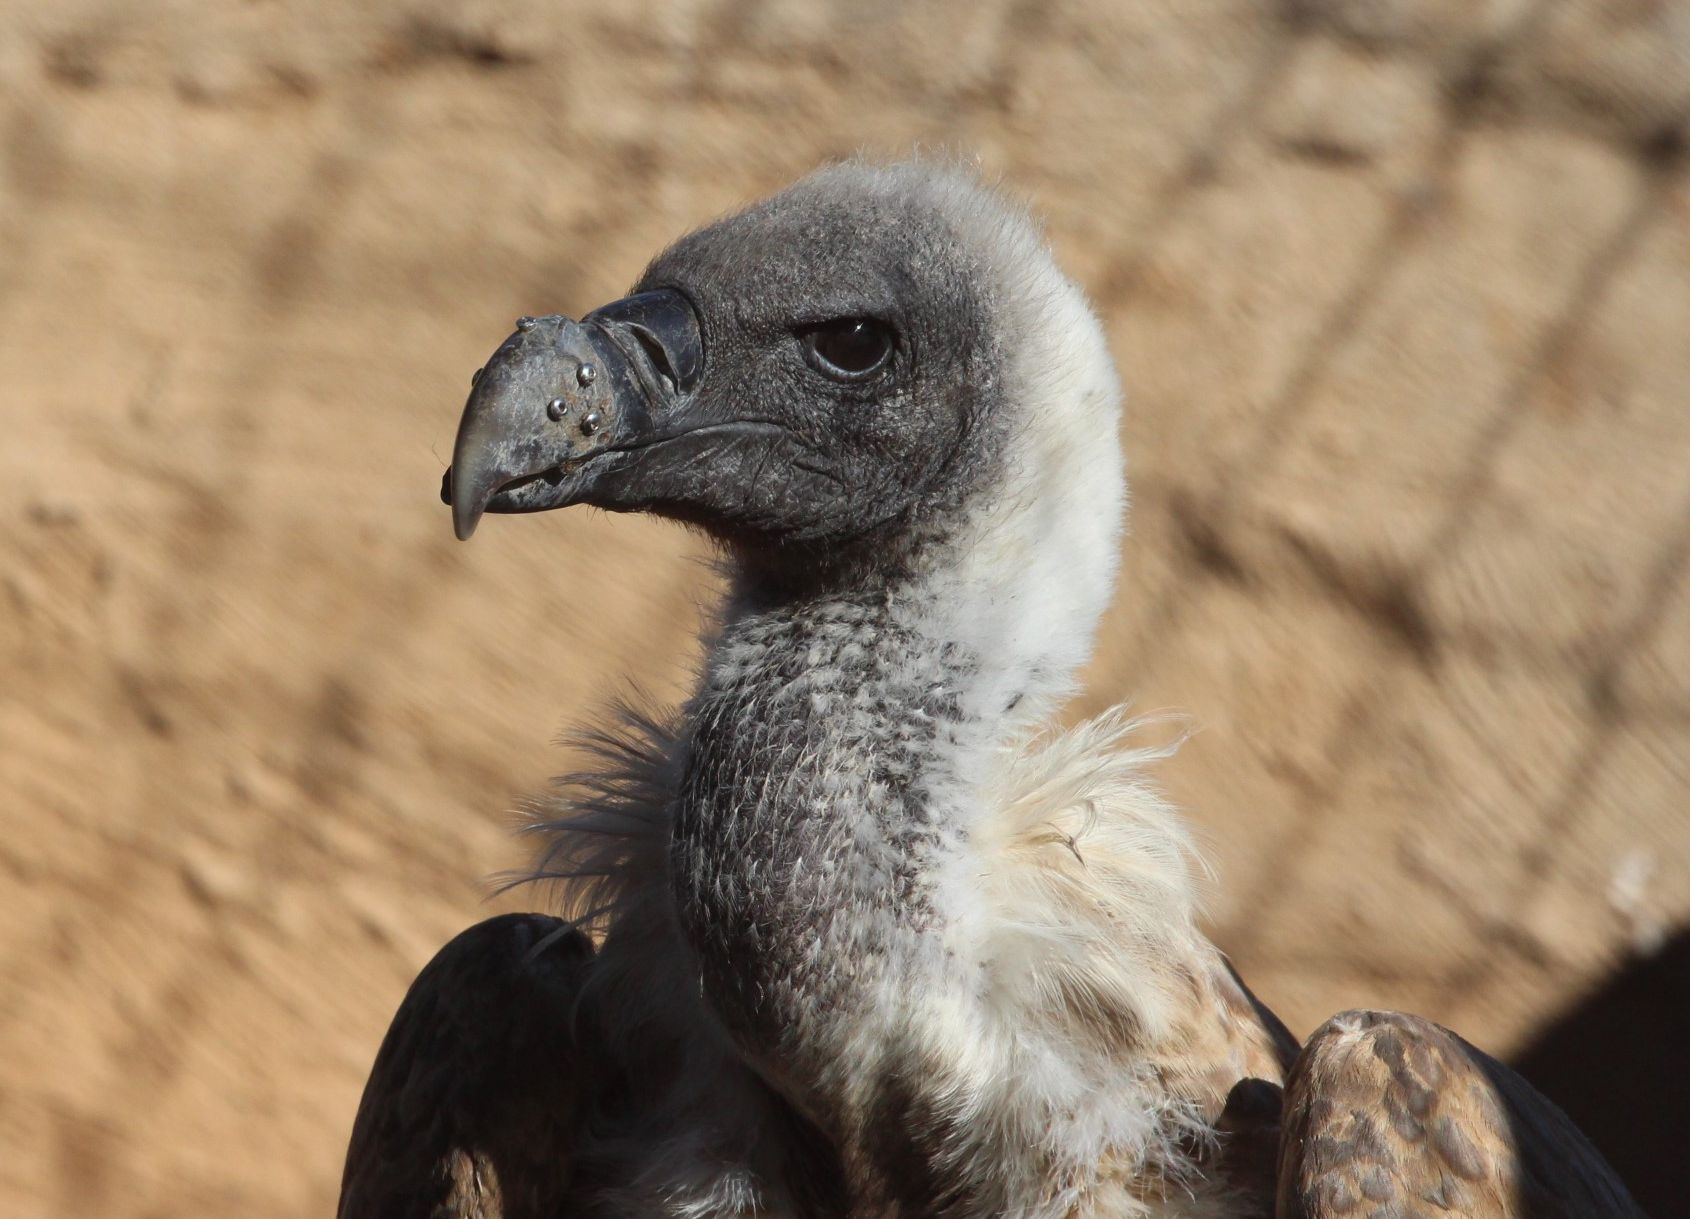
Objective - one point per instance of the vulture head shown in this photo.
(876, 357)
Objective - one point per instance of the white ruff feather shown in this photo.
(1086, 887)
(1090, 878)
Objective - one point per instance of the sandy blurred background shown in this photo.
(1401, 289)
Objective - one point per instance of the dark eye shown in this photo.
(848, 348)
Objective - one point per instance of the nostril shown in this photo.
(659, 357)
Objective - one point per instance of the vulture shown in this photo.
(856, 931)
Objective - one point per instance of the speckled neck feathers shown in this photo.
(817, 810)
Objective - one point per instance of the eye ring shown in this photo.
(848, 348)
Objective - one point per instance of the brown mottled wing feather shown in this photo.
(1276, 1042)
(1391, 1115)
(471, 1108)
(1232, 1067)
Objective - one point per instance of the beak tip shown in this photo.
(464, 517)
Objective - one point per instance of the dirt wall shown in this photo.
(1401, 292)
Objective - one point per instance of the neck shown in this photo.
(842, 736)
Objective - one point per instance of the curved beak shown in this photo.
(560, 400)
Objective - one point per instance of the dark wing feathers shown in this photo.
(472, 1103)
(1248, 1161)
(1390, 1116)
